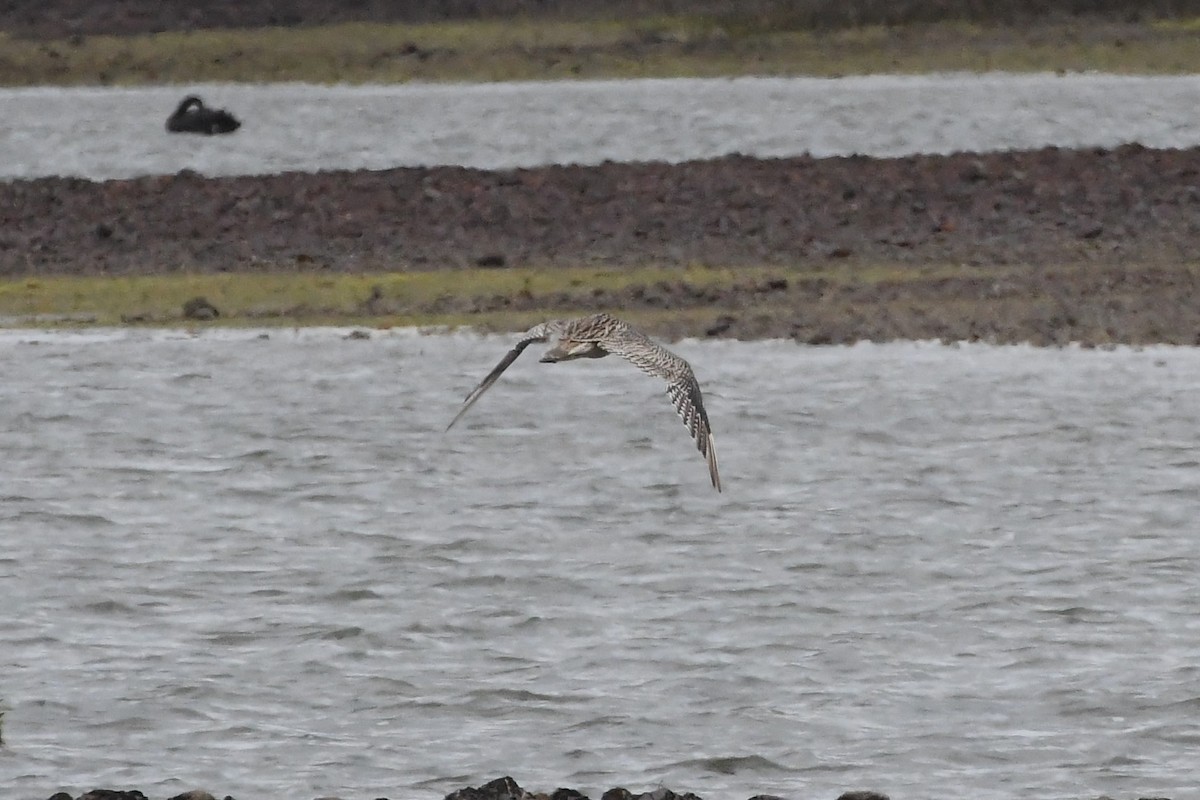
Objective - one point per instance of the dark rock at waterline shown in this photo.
(499, 789)
(199, 308)
(508, 789)
(663, 793)
(133, 794)
(504, 788)
(196, 794)
(567, 794)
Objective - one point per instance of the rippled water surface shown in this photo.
(259, 565)
(114, 132)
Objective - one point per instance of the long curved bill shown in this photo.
(487, 382)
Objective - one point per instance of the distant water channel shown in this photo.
(259, 566)
(113, 132)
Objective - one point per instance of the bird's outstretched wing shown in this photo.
(682, 387)
(538, 333)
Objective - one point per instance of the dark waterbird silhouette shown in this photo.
(192, 116)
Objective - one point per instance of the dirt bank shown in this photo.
(1041, 208)
(126, 17)
(1047, 246)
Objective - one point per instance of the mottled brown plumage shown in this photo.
(598, 336)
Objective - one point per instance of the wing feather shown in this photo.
(682, 387)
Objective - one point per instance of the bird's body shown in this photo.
(599, 335)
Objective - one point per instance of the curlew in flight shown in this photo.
(597, 336)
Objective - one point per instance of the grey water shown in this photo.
(103, 133)
(256, 563)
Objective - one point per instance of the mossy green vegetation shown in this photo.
(535, 49)
(485, 298)
(839, 302)
(668, 300)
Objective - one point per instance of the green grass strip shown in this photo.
(527, 49)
